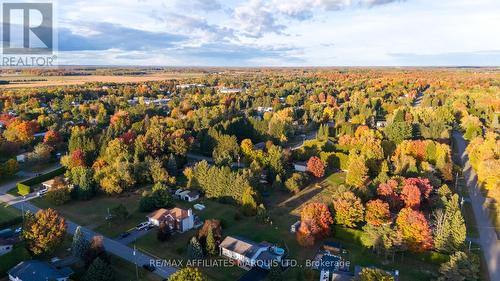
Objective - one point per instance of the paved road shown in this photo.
(488, 239)
(110, 245)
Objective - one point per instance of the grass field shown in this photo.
(92, 213)
(8, 214)
(49, 81)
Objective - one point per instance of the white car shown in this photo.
(42, 192)
(143, 225)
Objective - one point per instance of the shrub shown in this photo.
(59, 196)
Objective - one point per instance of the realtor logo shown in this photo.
(27, 28)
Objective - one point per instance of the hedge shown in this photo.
(24, 187)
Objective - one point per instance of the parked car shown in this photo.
(149, 267)
(42, 192)
(142, 225)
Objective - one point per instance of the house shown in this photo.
(381, 124)
(248, 254)
(21, 157)
(6, 245)
(177, 219)
(35, 270)
(295, 227)
(300, 166)
(187, 195)
(53, 183)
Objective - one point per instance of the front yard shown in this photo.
(92, 213)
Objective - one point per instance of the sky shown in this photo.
(279, 32)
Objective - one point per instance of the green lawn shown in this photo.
(8, 214)
(92, 213)
(7, 261)
(125, 271)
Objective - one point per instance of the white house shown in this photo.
(248, 254)
(6, 246)
(300, 166)
(295, 227)
(177, 219)
(21, 157)
(35, 270)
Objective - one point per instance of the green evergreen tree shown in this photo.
(460, 267)
(172, 165)
(79, 245)
(99, 271)
(194, 250)
(450, 231)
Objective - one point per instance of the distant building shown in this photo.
(262, 109)
(225, 90)
(35, 270)
(177, 219)
(249, 254)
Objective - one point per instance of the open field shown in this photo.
(50, 81)
(92, 213)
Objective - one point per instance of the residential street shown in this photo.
(487, 235)
(110, 245)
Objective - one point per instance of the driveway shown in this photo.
(112, 246)
(134, 235)
(487, 234)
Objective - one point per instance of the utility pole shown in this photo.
(136, 269)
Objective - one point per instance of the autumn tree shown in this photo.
(248, 203)
(316, 167)
(188, 274)
(348, 209)
(315, 222)
(211, 246)
(44, 231)
(373, 274)
(377, 212)
(357, 172)
(415, 230)
(52, 138)
(10, 167)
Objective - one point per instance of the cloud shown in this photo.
(198, 29)
(207, 5)
(104, 36)
(254, 19)
(304, 9)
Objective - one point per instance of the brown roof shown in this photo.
(176, 213)
(158, 214)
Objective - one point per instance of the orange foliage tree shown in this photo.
(415, 230)
(316, 167)
(44, 231)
